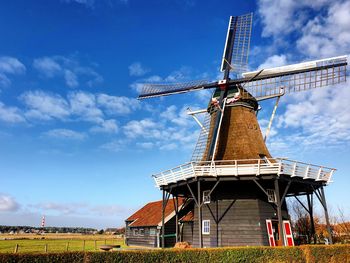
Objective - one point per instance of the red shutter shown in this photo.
(270, 233)
(288, 235)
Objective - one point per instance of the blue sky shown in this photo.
(78, 147)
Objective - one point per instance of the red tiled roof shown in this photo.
(151, 213)
(188, 217)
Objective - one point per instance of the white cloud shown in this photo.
(327, 35)
(107, 126)
(145, 145)
(78, 106)
(274, 61)
(67, 68)
(174, 130)
(318, 28)
(71, 78)
(136, 69)
(62, 208)
(83, 104)
(113, 146)
(169, 146)
(87, 3)
(10, 65)
(283, 17)
(45, 106)
(321, 118)
(47, 66)
(10, 114)
(65, 134)
(8, 203)
(179, 117)
(143, 128)
(81, 208)
(117, 105)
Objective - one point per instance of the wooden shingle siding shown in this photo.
(243, 224)
(187, 232)
(140, 240)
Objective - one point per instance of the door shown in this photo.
(288, 235)
(270, 233)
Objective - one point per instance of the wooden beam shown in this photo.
(279, 211)
(193, 196)
(307, 210)
(163, 220)
(311, 209)
(260, 187)
(199, 214)
(285, 191)
(323, 196)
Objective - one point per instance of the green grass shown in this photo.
(55, 245)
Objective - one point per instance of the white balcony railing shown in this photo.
(273, 166)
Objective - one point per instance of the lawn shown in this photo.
(56, 242)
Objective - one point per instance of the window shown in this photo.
(206, 197)
(141, 232)
(206, 227)
(271, 196)
(152, 232)
(136, 232)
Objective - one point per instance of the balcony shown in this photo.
(248, 167)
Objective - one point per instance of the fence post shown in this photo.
(95, 245)
(84, 245)
(105, 241)
(45, 247)
(67, 246)
(16, 248)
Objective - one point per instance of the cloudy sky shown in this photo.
(78, 147)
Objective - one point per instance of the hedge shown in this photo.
(309, 254)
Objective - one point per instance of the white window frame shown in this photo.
(141, 232)
(206, 197)
(135, 232)
(152, 232)
(206, 227)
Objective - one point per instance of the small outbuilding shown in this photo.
(144, 227)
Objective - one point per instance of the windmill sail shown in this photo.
(237, 43)
(203, 139)
(157, 90)
(295, 78)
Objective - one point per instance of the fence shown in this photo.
(54, 245)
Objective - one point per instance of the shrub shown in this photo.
(309, 254)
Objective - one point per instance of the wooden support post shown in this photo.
(95, 245)
(16, 248)
(67, 246)
(177, 219)
(311, 213)
(217, 222)
(45, 248)
(279, 212)
(323, 197)
(163, 228)
(199, 214)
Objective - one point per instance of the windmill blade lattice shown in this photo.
(203, 139)
(321, 75)
(241, 28)
(157, 90)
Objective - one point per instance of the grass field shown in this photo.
(56, 242)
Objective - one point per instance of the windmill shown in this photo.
(237, 187)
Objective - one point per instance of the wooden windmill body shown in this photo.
(236, 189)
